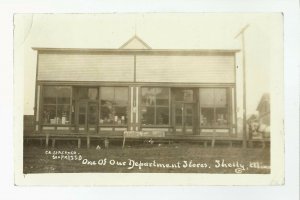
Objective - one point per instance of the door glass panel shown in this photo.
(178, 114)
(81, 119)
(178, 120)
(82, 114)
(189, 111)
(92, 120)
(189, 120)
(178, 110)
(81, 109)
(92, 114)
(162, 115)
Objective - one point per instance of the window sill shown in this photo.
(66, 125)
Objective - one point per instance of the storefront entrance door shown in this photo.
(184, 110)
(184, 117)
(87, 116)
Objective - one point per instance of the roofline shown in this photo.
(139, 39)
(134, 51)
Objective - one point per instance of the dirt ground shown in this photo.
(145, 158)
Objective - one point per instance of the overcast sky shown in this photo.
(160, 31)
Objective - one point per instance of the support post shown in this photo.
(123, 141)
(47, 140)
(244, 86)
(79, 143)
(88, 142)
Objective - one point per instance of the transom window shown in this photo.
(155, 106)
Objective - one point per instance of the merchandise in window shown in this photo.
(114, 103)
(56, 105)
(213, 107)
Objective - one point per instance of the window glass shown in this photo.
(63, 114)
(214, 109)
(114, 103)
(57, 105)
(121, 96)
(221, 107)
(155, 106)
(63, 95)
(162, 96)
(221, 116)
(148, 96)
(220, 98)
(120, 115)
(189, 112)
(148, 115)
(207, 97)
(207, 116)
(162, 115)
(49, 114)
(106, 115)
(49, 95)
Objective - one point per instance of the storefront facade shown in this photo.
(136, 88)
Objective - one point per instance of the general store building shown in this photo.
(104, 92)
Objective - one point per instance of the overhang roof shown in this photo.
(136, 51)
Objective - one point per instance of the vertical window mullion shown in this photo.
(169, 106)
(70, 106)
(155, 107)
(113, 106)
(99, 106)
(215, 117)
(56, 106)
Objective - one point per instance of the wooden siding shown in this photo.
(85, 67)
(197, 69)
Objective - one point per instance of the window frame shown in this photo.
(114, 105)
(43, 104)
(155, 125)
(228, 109)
